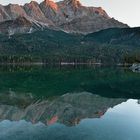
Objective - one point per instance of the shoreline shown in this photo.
(65, 64)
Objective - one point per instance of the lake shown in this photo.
(69, 103)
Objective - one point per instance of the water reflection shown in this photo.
(68, 109)
(69, 103)
(120, 122)
(55, 81)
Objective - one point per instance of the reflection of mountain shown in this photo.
(13, 98)
(68, 109)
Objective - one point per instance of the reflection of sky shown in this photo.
(129, 109)
(126, 11)
(119, 123)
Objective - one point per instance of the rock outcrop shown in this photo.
(20, 25)
(67, 15)
(135, 67)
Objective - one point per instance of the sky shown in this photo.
(126, 11)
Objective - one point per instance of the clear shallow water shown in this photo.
(82, 103)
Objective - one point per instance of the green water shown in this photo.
(69, 103)
(47, 82)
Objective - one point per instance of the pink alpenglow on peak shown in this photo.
(51, 4)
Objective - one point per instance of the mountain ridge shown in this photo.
(68, 15)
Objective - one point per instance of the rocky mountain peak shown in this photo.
(31, 4)
(75, 3)
(68, 15)
(14, 10)
(33, 10)
(101, 11)
(51, 4)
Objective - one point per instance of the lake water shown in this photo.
(69, 103)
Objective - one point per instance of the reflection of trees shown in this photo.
(55, 81)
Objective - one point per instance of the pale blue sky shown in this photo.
(127, 11)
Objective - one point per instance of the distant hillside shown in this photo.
(124, 36)
(111, 46)
(38, 45)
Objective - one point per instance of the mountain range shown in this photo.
(68, 15)
(65, 31)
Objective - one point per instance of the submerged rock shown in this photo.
(135, 67)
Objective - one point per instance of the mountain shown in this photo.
(68, 15)
(65, 31)
(20, 25)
